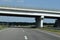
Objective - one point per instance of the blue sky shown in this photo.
(49, 4)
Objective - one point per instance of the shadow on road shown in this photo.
(23, 27)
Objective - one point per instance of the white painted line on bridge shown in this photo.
(25, 37)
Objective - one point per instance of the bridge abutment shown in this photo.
(39, 21)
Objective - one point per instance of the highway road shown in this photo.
(26, 34)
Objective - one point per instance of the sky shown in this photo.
(48, 4)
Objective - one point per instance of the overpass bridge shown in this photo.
(38, 14)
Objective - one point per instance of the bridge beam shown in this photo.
(39, 21)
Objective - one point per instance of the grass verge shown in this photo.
(51, 30)
(2, 27)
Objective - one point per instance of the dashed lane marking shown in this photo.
(25, 37)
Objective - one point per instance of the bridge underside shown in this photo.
(27, 16)
(38, 19)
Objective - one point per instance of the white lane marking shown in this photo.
(23, 31)
(25, 37)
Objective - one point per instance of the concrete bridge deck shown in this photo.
(38, 14)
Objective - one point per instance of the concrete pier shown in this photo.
(39, 21)
(57, 23)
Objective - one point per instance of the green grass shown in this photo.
(2, 27)
(51, 30)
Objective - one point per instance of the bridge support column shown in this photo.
(39, 21)
(57, 23)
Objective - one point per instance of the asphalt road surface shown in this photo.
(25, 34)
